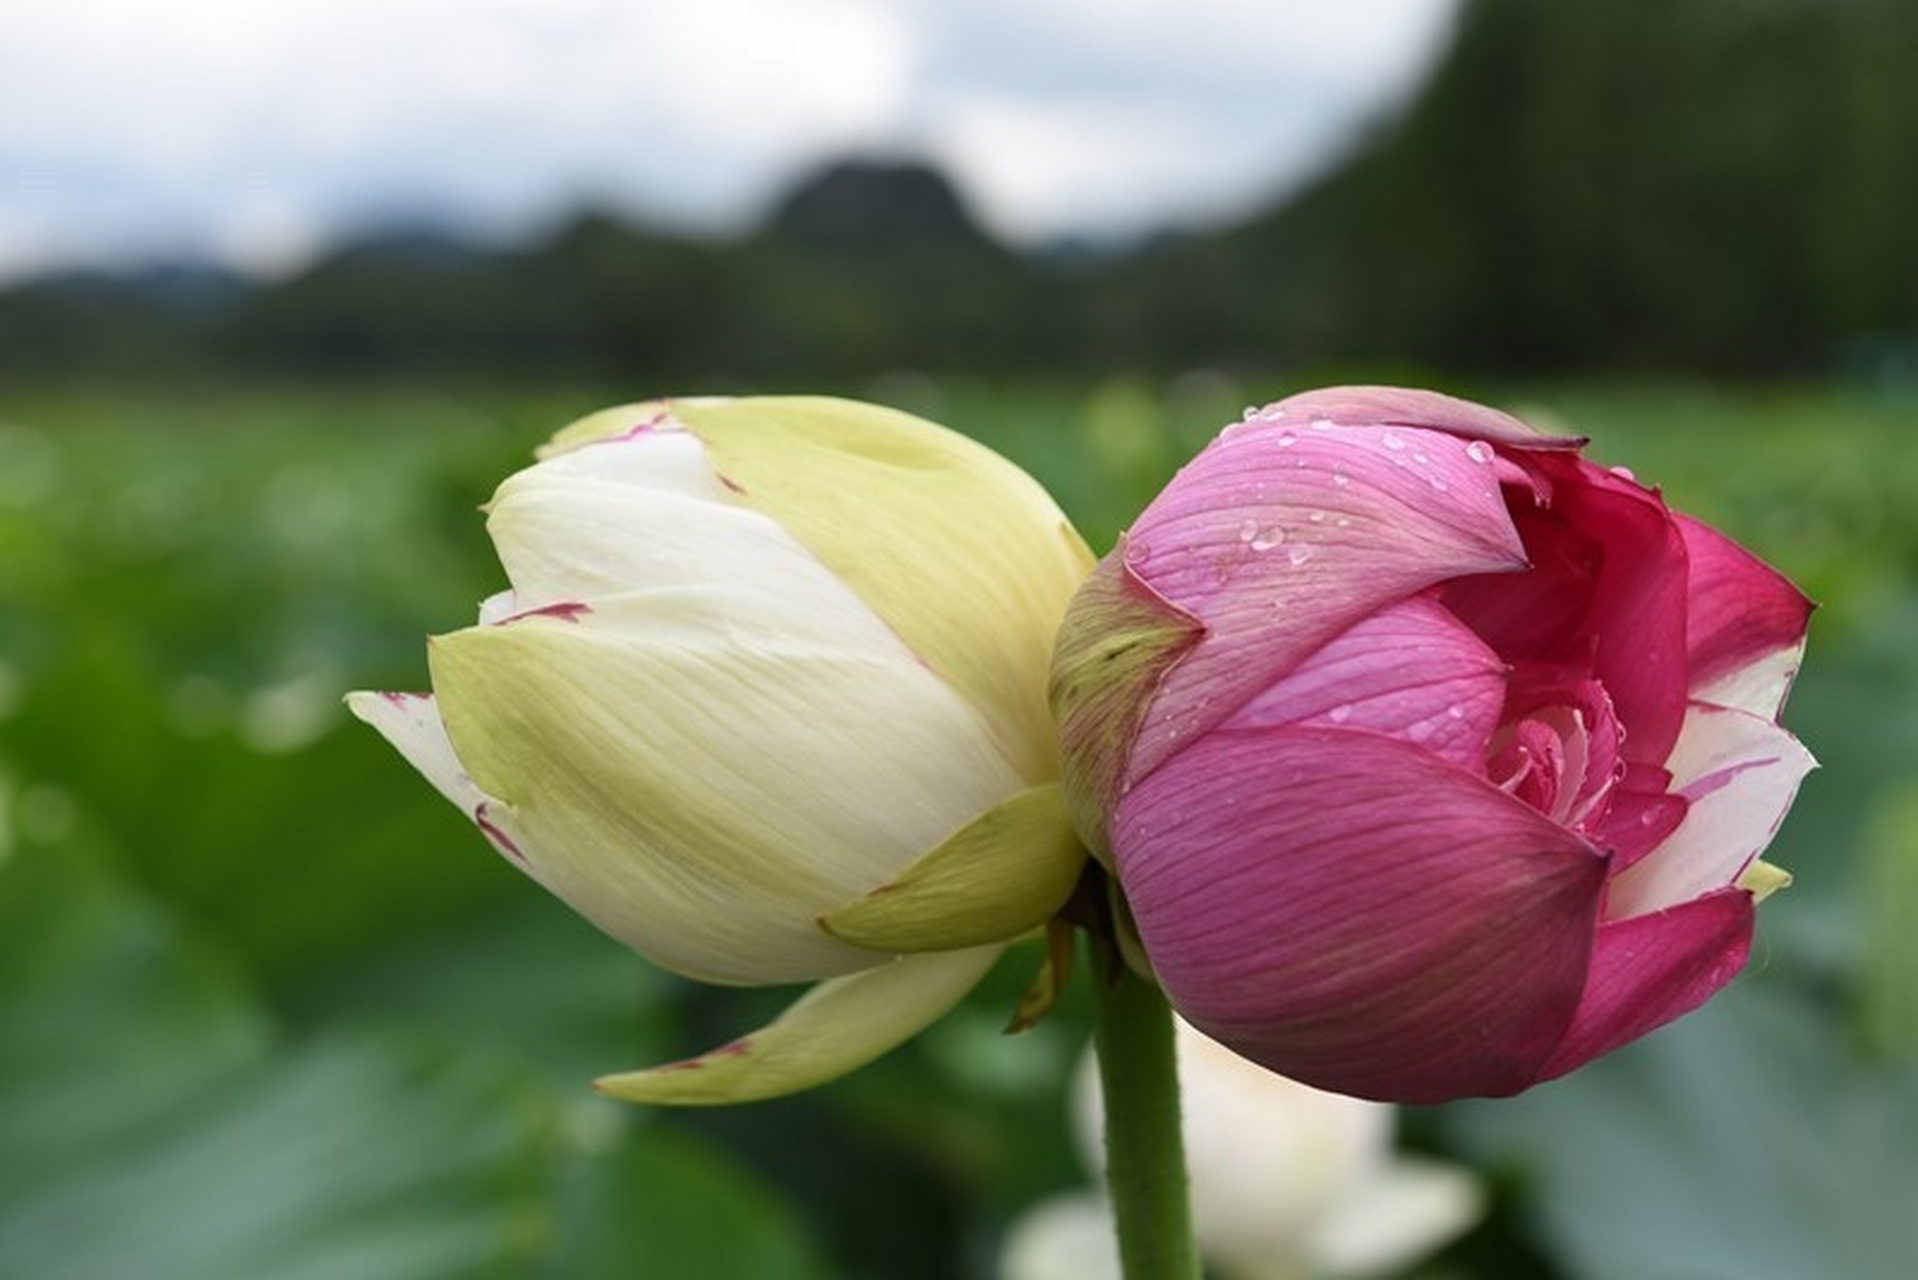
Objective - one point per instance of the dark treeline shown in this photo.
(1723, 185)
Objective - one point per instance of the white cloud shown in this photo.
(1099, 168)
(136, 128)
(1118, 116)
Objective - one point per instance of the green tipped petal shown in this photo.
(1117, 643)
(1003, 873)
(983, 562)
(837, 1027)
(961, 553)
(703, 771)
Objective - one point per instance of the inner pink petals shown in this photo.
(1606, 593)
(1641, 813)
(1412, 671)
(1281, 536)
(1558, 749)
(1638, 614)
(1537, 615)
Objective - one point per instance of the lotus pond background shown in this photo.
(268, 1007)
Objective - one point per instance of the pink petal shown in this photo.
(1737, 774)
(1411, 671)
(1535, 617)
(1606, 595)
(1642, 812)
(1408, 407)
(1559, 751)
(1358, 914)
(1745, 624)
(1277, 539)
(1651, 969)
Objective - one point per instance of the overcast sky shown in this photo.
(253, 131)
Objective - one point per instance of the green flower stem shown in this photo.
(1145, 1155)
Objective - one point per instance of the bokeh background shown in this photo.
(285, 290)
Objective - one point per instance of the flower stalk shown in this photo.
(1145, 1156)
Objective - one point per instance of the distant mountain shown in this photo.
(1661, 184)
(875, 203)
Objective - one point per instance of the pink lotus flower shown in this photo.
(1433, 759)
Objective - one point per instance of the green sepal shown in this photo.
(1004, 873)
(1118, 641)
(1043, 992)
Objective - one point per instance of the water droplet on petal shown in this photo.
(1479, 451)
(1624, 473)
(1251, 412)
(1300, 553)
(1248, 530)
(1287, 439)
(1392, 442)
(1455, 711)
(1323, 424)
(1339, 714)
(1269, 539)
(1317, 517)
(1340, 479)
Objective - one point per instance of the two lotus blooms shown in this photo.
(1429, 758)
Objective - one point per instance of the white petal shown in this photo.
(411, 723)
(626, 515)
(658, 453)
(1759, 688)
(1739, 773)
(707, 770)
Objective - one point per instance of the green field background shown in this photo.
(270, 1008)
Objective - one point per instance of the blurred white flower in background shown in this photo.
(1287, 1182)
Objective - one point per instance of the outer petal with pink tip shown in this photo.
(1745, 626)
(1412, 407)
(411, 723)
(1298, 905)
